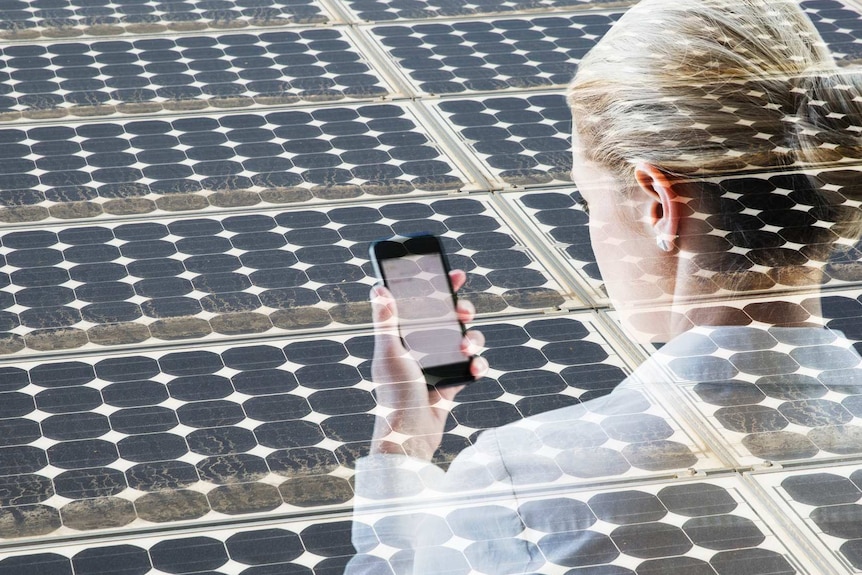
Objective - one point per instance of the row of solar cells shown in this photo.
(438, 58)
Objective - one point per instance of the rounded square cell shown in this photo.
(328, 540)
(280, 407)
(341, 401)
(161, 475)
(80, 425)
(22, 459)
(199, 387)
(264, 381)
(288, 434)
(166, 307)
(264, 546)
(227, 469)
(68, 399)
(190, 363)
(311, 353)
(188, 554)
(195, 227)
(81, 454)
(151, 447)
(255, 357)
(213, 413)
(134, 393)
(135, 420)
(119, 559)
(32, 239)
(47, 563)
(127, 368)
(19, 431)
(65, 374)
(221, 440)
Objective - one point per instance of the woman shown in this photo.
(675, 94)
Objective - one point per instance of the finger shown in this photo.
(466, 311)
(473, 342)
(458, 279)
(384, 314)
(479, 367)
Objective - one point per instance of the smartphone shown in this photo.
(415, 271)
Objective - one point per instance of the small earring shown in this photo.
(664, 242)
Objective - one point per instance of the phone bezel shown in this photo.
(400, 246)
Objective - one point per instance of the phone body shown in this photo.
(415, 271)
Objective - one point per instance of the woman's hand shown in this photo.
(414, 416)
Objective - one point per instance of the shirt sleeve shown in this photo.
(412, 517)
(389, 488)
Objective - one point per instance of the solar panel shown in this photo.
(188, 191)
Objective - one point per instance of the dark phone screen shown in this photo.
(428, 321)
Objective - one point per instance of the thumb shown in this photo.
(384, 315)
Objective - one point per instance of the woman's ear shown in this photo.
(663, 207)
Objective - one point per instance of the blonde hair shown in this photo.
(701, 87)
(704, 86)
